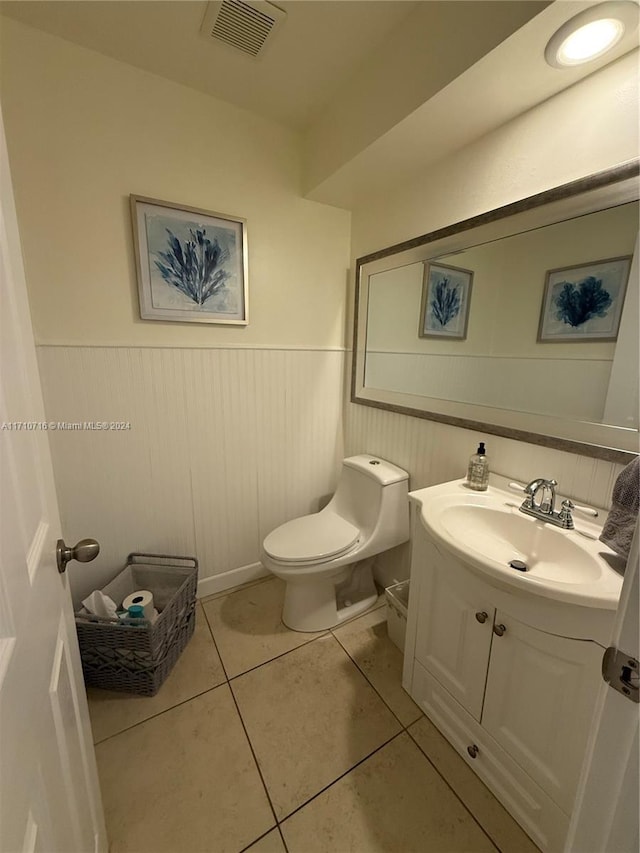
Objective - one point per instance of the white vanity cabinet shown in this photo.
(540, 696)
(454, 632)
(503, 680)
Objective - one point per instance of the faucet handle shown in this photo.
(565, 516)
(587, 510)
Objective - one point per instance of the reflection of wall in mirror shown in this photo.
(501, 363)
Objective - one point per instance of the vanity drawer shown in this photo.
(541, 818)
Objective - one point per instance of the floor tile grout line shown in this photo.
(453, 791)
(281, 655)
(326, 632)
(215, 645)
(177, 704)
(284, 843)
(372, 685)
(244, 728)
(255, 757)
(160, 713)
(260, 838)
(255, 840)
(341, 776)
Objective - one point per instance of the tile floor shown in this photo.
(269, 741)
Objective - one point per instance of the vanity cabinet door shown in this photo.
(453, 636)
(541, 693)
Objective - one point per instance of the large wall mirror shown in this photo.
(521, 322)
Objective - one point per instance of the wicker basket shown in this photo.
(136, 656)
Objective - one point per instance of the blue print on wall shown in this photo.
(194, 266)
(578, 303)
(584, 302)
(191, 265)
(446, 294)
(445, 302)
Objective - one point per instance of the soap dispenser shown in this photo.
(478, 471)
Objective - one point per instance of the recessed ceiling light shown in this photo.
(591, 33)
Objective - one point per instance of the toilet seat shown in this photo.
(312, 538)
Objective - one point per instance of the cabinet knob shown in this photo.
(481, 616)
(499, 629)
(473, 750)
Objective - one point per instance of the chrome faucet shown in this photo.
(545, 508)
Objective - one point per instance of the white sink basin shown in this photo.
(487, 531)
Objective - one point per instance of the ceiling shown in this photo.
(363, 81)
(317, 47)
(505, 83)
(313, 55)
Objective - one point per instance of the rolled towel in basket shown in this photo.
(621, 522)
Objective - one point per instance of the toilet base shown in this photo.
(320, 604)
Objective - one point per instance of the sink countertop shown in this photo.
(486, 530)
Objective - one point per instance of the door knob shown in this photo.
(499, 629)
(482, 616)
(85, 551)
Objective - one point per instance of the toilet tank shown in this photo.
(372, 495)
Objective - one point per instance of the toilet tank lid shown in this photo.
(379, 469)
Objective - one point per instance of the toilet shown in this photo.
(326, 558)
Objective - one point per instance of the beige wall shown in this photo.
(84, 131)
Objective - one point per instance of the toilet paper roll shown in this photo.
(143, 598)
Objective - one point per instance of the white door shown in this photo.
(539, 704)
(49, 794)
(606, 812)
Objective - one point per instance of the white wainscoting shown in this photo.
(224, 445)
(433, 453)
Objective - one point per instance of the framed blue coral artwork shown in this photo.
(191, 263)
(446, 296)
(584, 303)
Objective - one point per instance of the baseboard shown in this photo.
(227, 580)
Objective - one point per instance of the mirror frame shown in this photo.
(609, 188)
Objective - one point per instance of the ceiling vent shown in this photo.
(247, 26)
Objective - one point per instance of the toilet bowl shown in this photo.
(326, 558)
